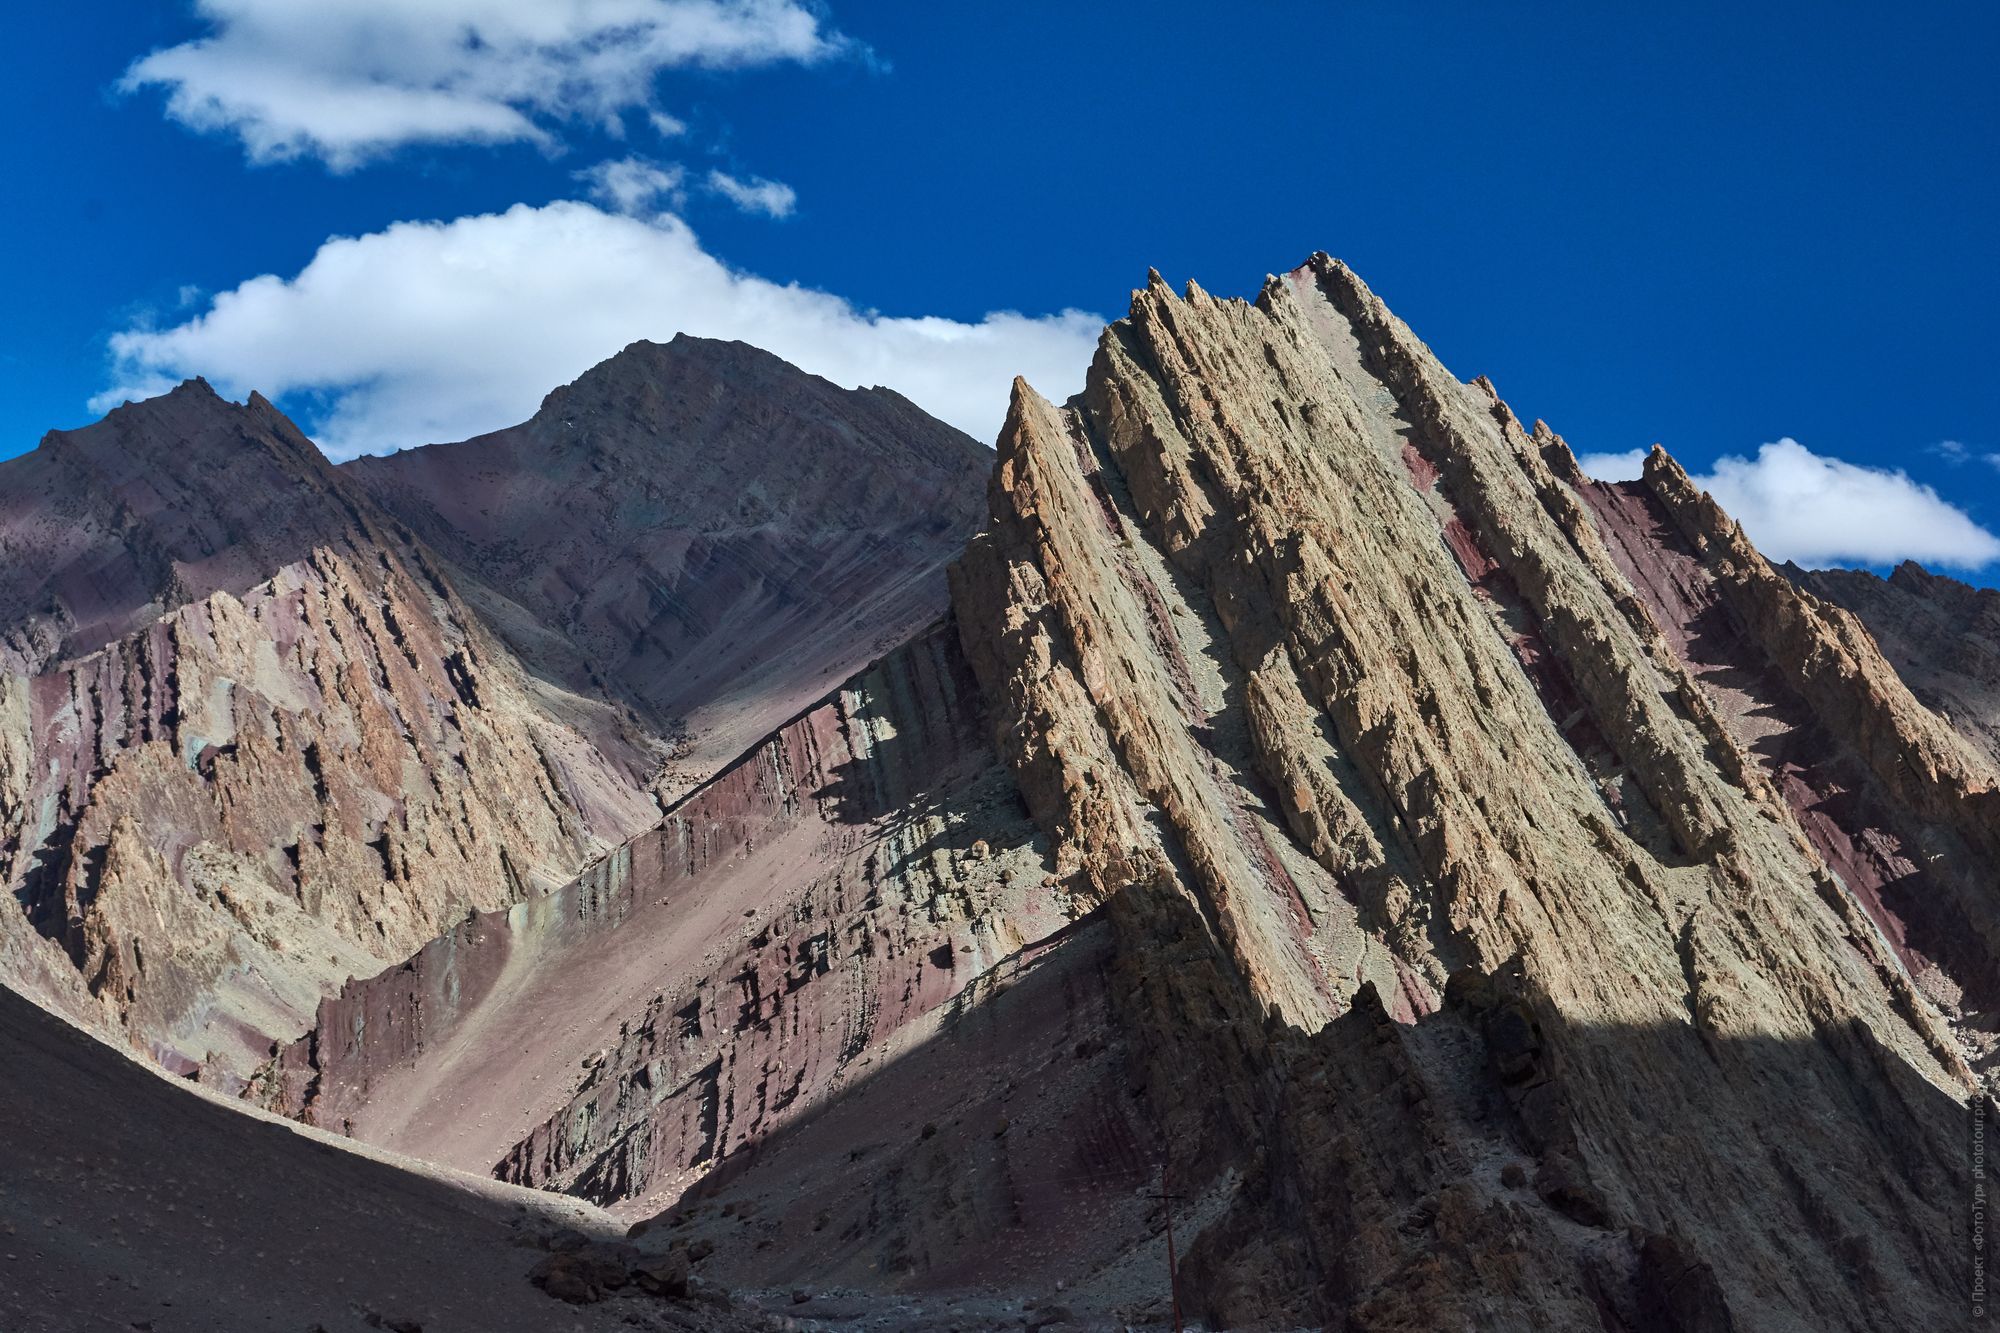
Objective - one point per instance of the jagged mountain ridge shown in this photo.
(1624, 948)
(161, 503)
(1942, 635)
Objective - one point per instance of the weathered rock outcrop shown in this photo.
(1276, 588)
(1900, 809)
(277, 784)
(701, 531)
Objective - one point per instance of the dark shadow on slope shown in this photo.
(1492, 1166)
(133, 1202)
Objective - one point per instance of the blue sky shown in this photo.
(1714, 229)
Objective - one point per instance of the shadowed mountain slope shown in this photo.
(700, 530)
(136, 1203)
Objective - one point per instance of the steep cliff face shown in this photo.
(216, 818)
(701, 531)
(810, 914)
(1467, 900)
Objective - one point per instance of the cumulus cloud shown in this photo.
(1799, 505)
(348, 81)
(756, 195)
(432, 331)
(634, 184)
(1628, 466)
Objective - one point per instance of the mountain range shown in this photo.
(1270, 844)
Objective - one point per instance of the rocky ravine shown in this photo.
(841, 846)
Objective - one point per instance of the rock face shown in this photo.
(1526, 1043)
(701, 531)
(814, 911)
(274, 782)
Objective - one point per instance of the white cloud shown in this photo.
(666, 126)
(634, 184)
(756, 195)
(1799, 505)
(1951, 451)
(350, 80)
(440, 330)
(1628, 466)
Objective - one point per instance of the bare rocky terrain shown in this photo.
(1291, 803)
(700, 533)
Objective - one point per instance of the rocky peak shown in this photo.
(160, 503)
(811, 453)
(1449, 807)
(697, 521)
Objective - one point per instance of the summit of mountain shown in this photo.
(160, 503)
(698, 530)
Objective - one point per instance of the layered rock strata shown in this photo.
(806, 917)
(1526, 1046)
(1901, 809)
(267, 724)
(213, 820)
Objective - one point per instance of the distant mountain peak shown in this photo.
(164, 499)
